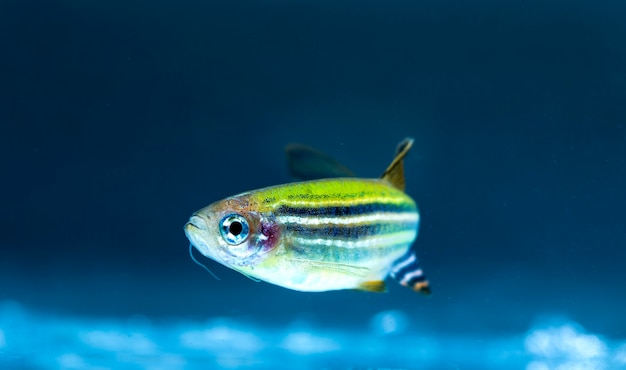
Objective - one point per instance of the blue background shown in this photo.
(118, 119)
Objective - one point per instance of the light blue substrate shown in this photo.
(31, 340)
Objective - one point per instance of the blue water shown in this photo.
(118, 119)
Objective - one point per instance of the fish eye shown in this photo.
(234, 229)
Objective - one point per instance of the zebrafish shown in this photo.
(338, 232)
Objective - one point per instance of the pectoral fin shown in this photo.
(395, 172)
(306, 163)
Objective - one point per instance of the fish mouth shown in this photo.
(196, 222)
(195, 227)
(195, 230)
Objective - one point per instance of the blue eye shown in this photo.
(234, 229)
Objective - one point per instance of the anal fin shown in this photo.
(376, 286)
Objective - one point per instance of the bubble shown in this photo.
(389, 322)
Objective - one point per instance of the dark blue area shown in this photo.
(118, 119)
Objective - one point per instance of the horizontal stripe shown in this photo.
(345, 200)
(345, 231)
(324, 209)
(329, 193)
(411, 278)
(359, 194)
(401, 265)
(412, 283)
(385, 240)
(350, 220)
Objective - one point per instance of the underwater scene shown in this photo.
(307, 184)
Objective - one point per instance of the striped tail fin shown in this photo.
(408, 272)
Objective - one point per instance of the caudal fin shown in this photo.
(407, 271)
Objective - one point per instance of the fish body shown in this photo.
(317, 235)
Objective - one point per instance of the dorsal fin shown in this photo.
(306, 163)
(395, 172)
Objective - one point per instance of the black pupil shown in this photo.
(235, 228)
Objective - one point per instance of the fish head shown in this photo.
(232, 232)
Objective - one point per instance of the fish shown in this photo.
(332, 231)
